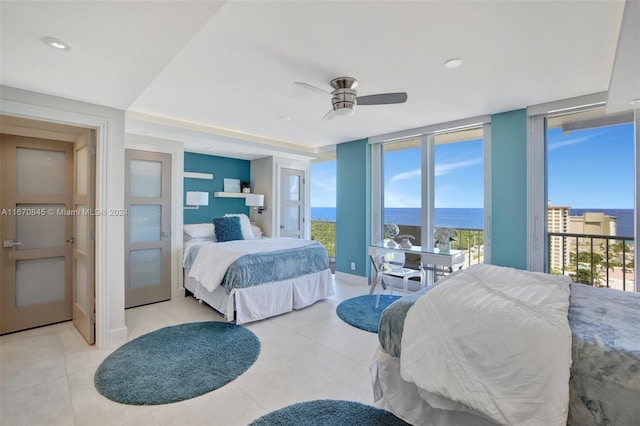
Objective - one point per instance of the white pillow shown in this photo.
(257, 232)
(199, 230)
(245, 225)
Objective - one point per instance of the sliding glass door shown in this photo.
(430, 181)
(590, 201)
(459, 189)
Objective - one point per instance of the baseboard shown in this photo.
(117, 337)
(177, 292)
(355, 279)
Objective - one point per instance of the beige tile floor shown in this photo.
(47, 373)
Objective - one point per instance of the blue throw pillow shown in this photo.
(227, 228)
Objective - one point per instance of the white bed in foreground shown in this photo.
(485, 346)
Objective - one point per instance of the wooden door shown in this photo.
(83, 247)
(148, 227)
(36, 232)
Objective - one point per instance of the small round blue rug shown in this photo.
(361, 311)
(328, 412)
(177, 363)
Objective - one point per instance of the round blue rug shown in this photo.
(327, 412)
(361, 311)
(177, 363)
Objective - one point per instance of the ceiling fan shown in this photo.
(344, 97)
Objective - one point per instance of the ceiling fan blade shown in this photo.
(329, 116)
(310, 87)
(383, 98)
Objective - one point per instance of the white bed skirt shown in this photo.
(266, 300)
(403, 399)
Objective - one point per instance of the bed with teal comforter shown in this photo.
(257, 268)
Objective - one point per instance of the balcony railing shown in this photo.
(597, 260)
(470, 240)
(324, 231)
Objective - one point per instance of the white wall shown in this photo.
(263, 181)
(111, 330)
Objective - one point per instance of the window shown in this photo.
(459, 189)
(590, 203)
(403, 188)
(430, 181)
(323, 204)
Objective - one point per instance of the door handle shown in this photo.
(10, 243)
(281, 226)
(166, 234)
(72, 240)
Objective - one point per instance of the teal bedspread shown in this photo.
(259, 268)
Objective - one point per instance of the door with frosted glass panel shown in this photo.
(83, 240)
(292, 203)
(36, 232)
(148, 227)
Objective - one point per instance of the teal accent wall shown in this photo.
(353, 206)
(509, 189)
(220, 167)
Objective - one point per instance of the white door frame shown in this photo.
(111, 330)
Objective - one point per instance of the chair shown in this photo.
(391, 264)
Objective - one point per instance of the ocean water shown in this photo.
(471, 218)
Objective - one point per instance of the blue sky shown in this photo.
(590, 168)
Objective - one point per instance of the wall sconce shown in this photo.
(255, 201)
(196, 199)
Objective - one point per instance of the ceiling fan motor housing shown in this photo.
(344, 99)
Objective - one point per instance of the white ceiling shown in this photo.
(220, 75)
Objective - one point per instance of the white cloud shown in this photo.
(412, 174)
(568, 142)
(443, 169)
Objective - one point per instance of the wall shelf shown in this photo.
(232, 194)
(195, 175)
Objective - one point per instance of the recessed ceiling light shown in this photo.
(284, 117)
(453, 63)
(55, 43)
(148, 133)
(635, 101)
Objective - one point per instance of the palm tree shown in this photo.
(592, 274)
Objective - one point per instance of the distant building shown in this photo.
(558, 221)
(593, 223)
(590, 223)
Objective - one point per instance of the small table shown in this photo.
(431, 259)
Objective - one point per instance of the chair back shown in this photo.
(394, 259)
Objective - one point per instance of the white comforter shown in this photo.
(494, 341)
(213, 259)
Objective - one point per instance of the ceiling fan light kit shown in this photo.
(344, 97)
